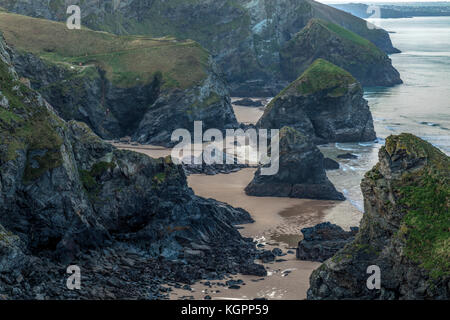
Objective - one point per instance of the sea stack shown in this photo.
(322, 39)
(405, 230)
(325, 103)
(301, 173)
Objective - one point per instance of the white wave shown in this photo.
(427, 53)
(345, 148)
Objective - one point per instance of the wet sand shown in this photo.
(149, 150)
(249, 115)
(278, 222)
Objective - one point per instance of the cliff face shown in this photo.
(301, 173)
(119, 86)
(404, 231)
(63, 192)
(320, 39)
(244, 36)
(325, 103)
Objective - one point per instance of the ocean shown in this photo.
(420, 106)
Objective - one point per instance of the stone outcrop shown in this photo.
(325, 103)
(331, 164)
(67, 197)
(244, 36)
(326, 40)
(124, 95)
(323, 241)
(404, 231)
(301, 172)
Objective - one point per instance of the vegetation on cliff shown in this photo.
(405, 230)
(324, 76)
(425, 196)
(346, 49)
(27, 124)
(321, 76)
(127, 60)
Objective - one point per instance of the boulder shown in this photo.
(247, 102)
(330, 164)
(322, 241)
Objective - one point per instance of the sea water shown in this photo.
(420, 106)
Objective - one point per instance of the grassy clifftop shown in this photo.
(349, 35)
(127, 60)
(321, 76)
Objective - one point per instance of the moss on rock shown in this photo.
(425, 196)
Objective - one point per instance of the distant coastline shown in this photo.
(393, 10)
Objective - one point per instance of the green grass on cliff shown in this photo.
(28, 126)
(320, 76)
(127, 60)
(351, 36)
(323, 75)
(323, 26)
(425, 195)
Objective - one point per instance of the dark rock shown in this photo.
(234, 282)
(277, 252)
(348, 156)
(207, 298)
(325, 103)
(322, 39)
(247, 102)
(399, 231)
(266, 256)
(208, 166)
(301, 173)
(322, 241)
(208, 102)
(330, 164)
(253, 270)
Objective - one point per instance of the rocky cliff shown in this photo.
(120, 86)
(325, 103)
(301, 172)
(326, 40)
(404, 231)
(128, 221)
(244, 36)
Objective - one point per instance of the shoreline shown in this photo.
(278, 222)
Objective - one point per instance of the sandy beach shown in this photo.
(278, 224)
